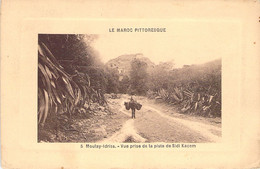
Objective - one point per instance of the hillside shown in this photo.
(123, 63)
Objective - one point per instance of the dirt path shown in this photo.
(128, 130)
(152, 124)
(155, 122)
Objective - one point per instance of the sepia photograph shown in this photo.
(130, 84)
(130, 88)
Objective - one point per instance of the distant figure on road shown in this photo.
(133, 104)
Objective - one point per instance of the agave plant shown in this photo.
(59, 92)
(177, 94)
(162, 94)
(193, 101)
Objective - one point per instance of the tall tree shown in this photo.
(71, 50)
(159, 77)
(138, 77)
(124, 85)
(112, 78)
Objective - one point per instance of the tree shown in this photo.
(112, 78)
(71, 50)
(138, 77)
(124, 85)
(159, 77)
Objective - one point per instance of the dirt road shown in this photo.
(156, 123)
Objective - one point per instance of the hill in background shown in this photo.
(123, 63)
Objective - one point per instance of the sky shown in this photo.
(187, 44)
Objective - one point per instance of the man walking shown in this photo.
(132, 105)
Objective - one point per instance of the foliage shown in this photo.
(63, 87)
(112, 77)
(138, 77)
(124, 85)
(195, 89)
(72, 50)
(159, 76)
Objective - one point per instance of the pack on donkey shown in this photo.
(132, 104)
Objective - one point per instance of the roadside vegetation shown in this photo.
(72, 83)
